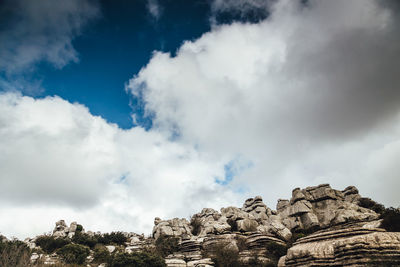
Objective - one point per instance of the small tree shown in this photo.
(73, 253)
(167, 245)
(101, 254)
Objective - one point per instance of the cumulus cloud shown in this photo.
(59, 161)
(308, 95)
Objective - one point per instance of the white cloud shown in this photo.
(59, 161)
(308, 95)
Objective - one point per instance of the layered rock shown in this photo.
(349, 246)
(321, 207)
(342, 232)
(176, 227)
(211, 222)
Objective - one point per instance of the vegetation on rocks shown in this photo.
(73, 253)
(167, 245)
(368, 203)
(275, 251)
(139, 259)
(391, 220)
(14, 253)
(49, 244)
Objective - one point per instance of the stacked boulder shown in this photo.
(62, 230)
(176, 227)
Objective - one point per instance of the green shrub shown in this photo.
(49, 244)
(117, 238)
(275, 251)
(79, 228)
(223, 255)
(167, 245)
(139, 259)
(391, 220)
(101, 254)
(85, 239)
(372, 205)
(73, 253)
(14, 253)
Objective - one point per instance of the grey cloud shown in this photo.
(36, 31)
(308, 95)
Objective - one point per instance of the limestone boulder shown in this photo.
(321, 207)
(176, 227)
(211, 221)
(247, 225)
(256, 207)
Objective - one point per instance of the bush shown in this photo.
(49, 244)
(101, 254)
(140, 259)
(167, 245)
(85, 239)
(275, 251)
(117, 238)
(79, 228)
(223, 255)
(391, 220)
(73, 253)
(372, 205)
(14, 253)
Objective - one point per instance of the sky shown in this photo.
(116, 112)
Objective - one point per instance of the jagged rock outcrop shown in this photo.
(176, 227)
(339, 233)
(211, 222)
(321, 207)
(62, 230)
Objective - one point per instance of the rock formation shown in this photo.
(62, 230)
(347, 246)
(336, 232)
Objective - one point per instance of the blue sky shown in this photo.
(116, 112)
(114, 47)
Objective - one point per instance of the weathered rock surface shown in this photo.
(341, 233)
(321, 207)
(62, 230)
(349, 246)
(176, 227)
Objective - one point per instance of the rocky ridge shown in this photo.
(335, 230)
